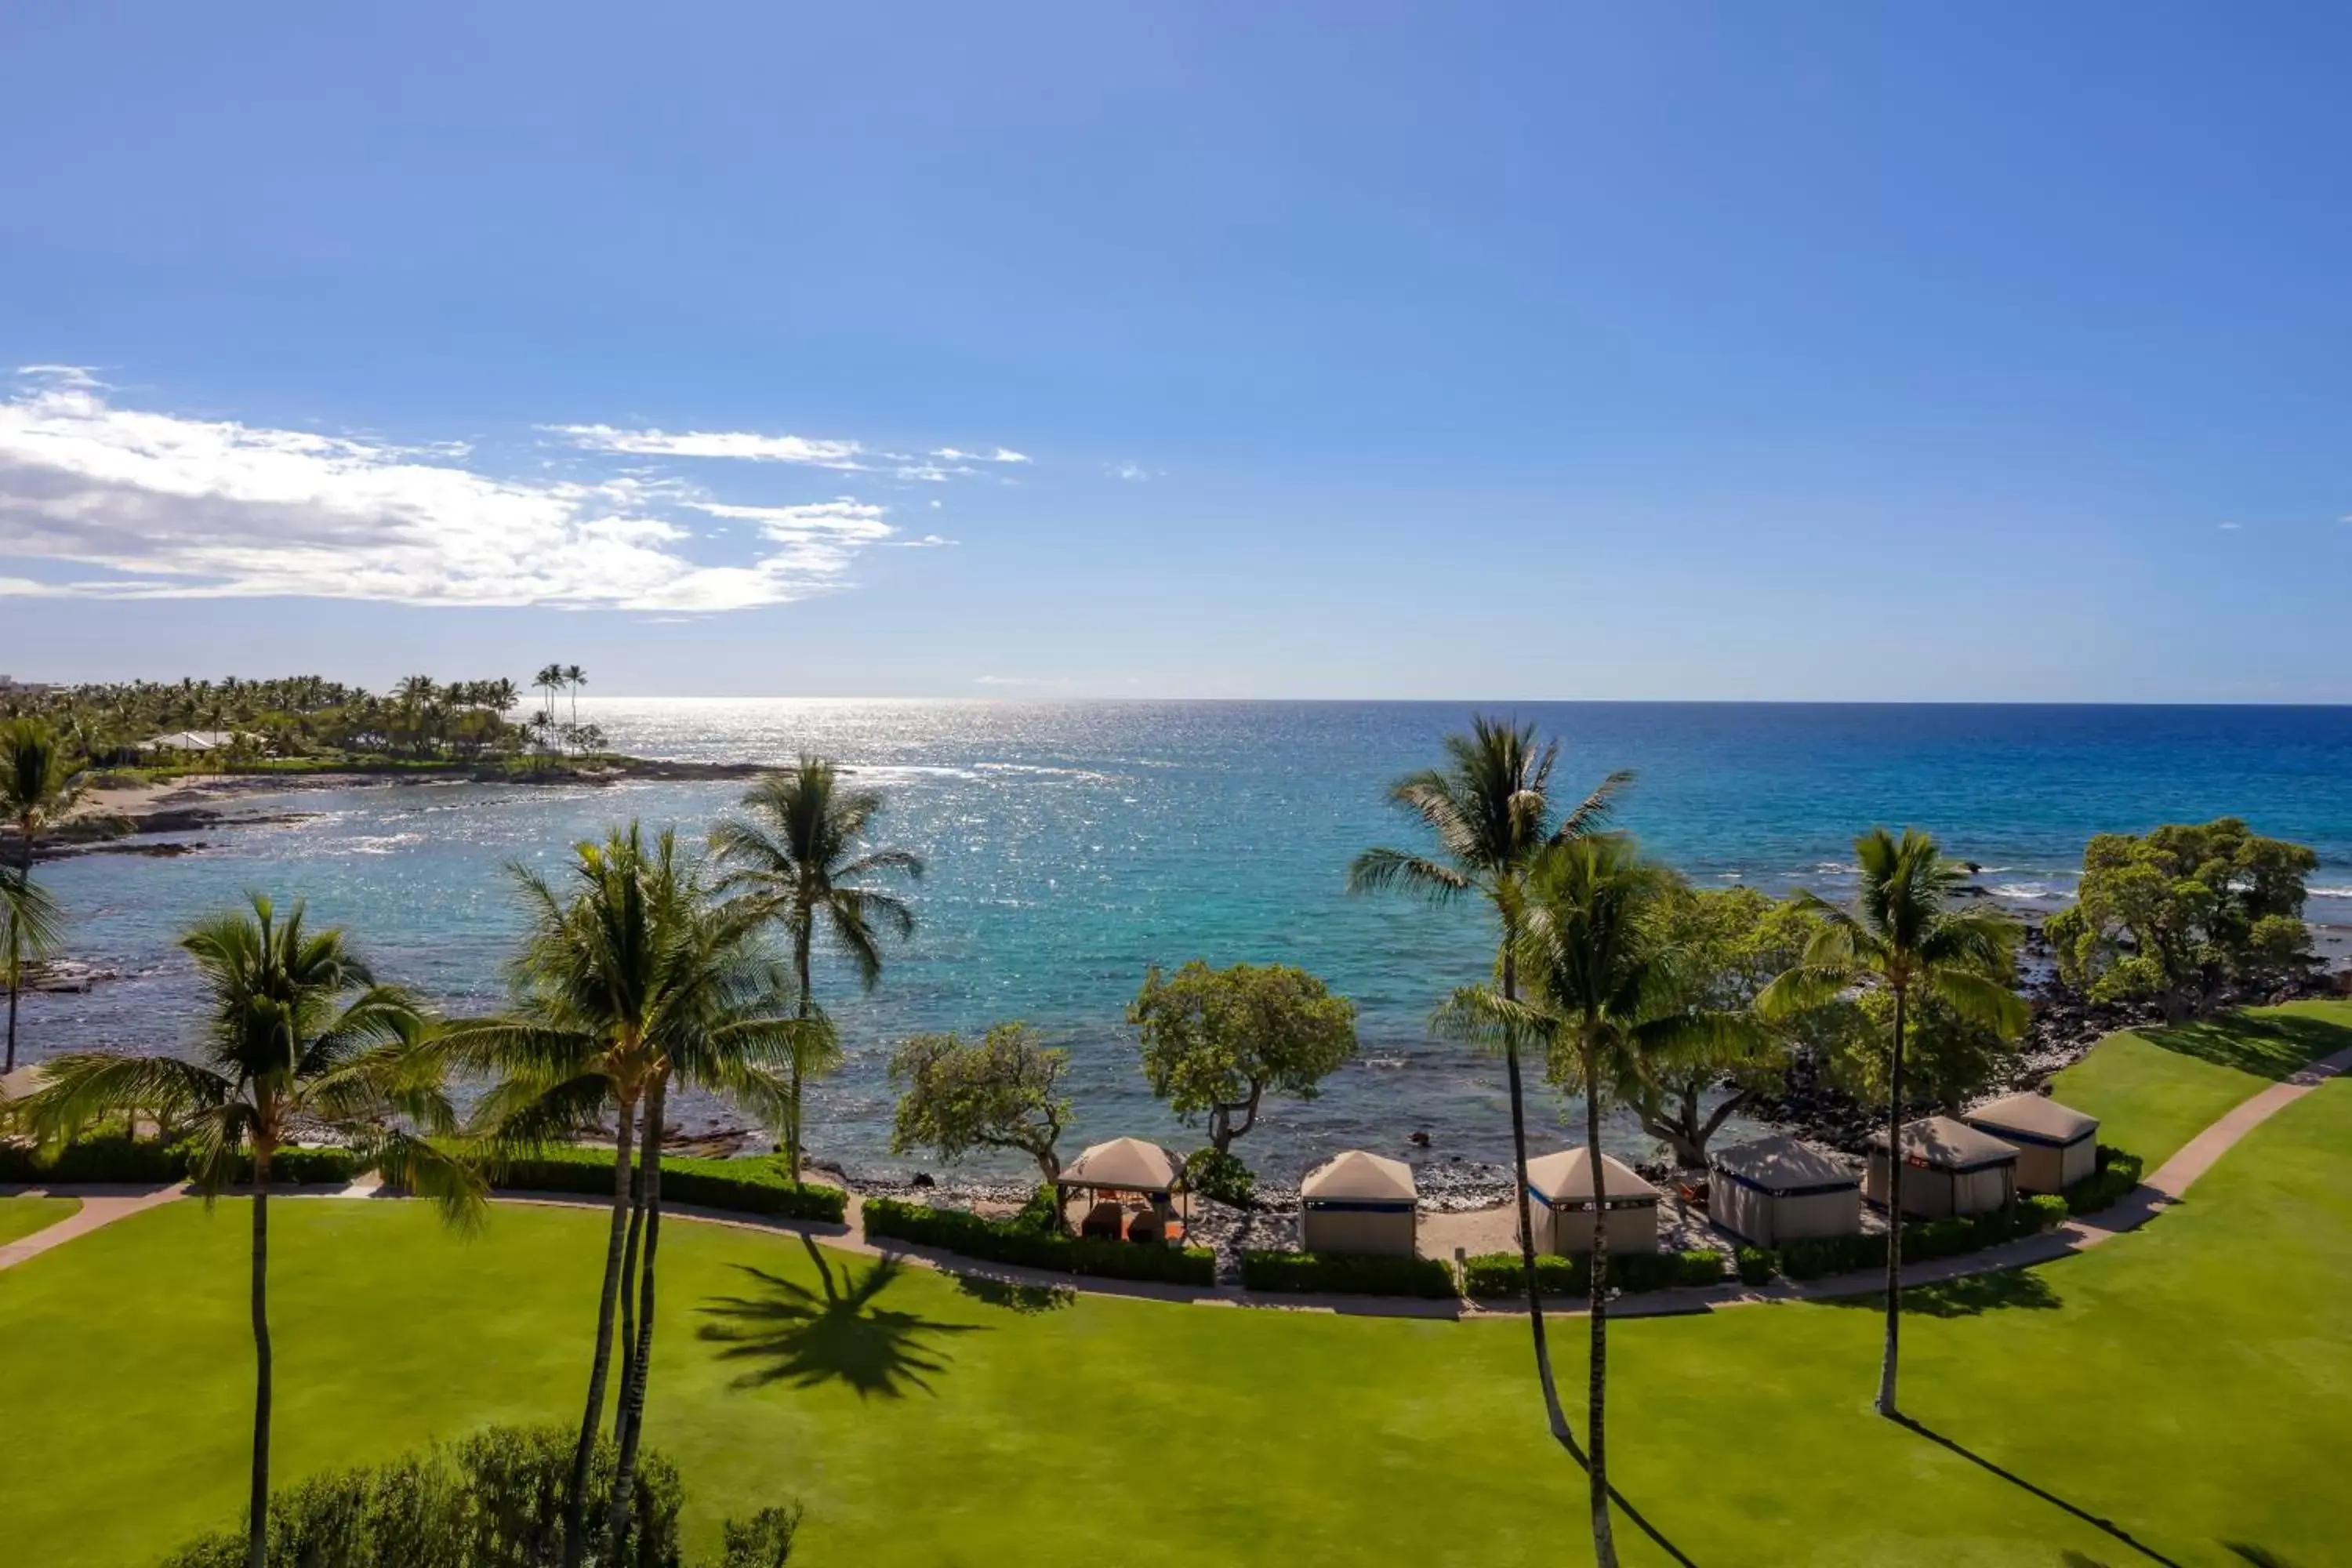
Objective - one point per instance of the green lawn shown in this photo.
(23, 1216)
(2153, 1090)
(2188, 1381)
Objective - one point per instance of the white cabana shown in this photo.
(1777, 1190)
(1948, 1168)
(1359, 1203)
(191, 740)
(1124, 1165)
(1561, 1186)
(2057, 1145)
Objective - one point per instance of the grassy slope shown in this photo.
(23, 1216)
(2178, 1381)
(2155, 1089)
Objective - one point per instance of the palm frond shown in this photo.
(1377, 870)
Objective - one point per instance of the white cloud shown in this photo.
(847, 457)
(1002, 455)
(167, 506)
(929, 541)
(63, 375)
(1135, 473)
(2229, 528)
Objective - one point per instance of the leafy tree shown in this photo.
(2180, 912)
(300, 1035)
(1611, 985)
(1003, 1092)
(1912, 935)
(30, 928)
(630, 977)
(40, 782)
(1489, 809)
(799, 858)
(1947, 1059)
(1217, 1041)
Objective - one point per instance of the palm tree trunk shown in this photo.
(1893, 1214)
(629, 1285)
(1553, 1411)
(805, 930)
(1604, 1545)
(633, 1393)
(575, 1501)
(256, 1529)
(16, 983)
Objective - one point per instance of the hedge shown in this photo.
(999, 1241)
(2117, 1175)
(757, 1185)
(1504, 1274)
(1816, 1257)
(1347, 1274)
(113, 1157)
(1757, 1265)
(1637, 1271)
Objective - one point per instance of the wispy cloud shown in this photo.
(154, 505)
(2230, 527)
(847, 457)
(1002, 455)
(1134, 473)
(928, 542)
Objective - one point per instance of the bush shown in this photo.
(756, 1185)
(2117, 1175)
(1817, 1257)
(102, 1157)
(1494, 1274)
(494, 1500)
(764, 1541)
(2043, 1211)
(1347, 1274)
(1220, 1177)
(1005, 1241)
(1637, 1271)
(1757, 1265)
(304, 1167)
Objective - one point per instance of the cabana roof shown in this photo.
(1949, 1145)
(1784, 1167)
(2034, 1119)
(24, 1081)
(1357, 1177)
(1566, 1178)
(1124, 1164)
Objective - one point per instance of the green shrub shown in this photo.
(1818, 1256)
(1005, 1241)
(2043, 1211)
(755, 1185)
(1633, 1272)
(111, 1156)
(1220, 1177)
(1347, 1274)
(1042, 1213)
(1757, 1265)
(298, 1166)
(2118, 1173)
(764, 1541)
(494, 1500)
(1491, 1273)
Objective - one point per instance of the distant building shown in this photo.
(191, 740)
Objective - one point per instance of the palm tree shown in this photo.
(550, 676)
(30, 926)
(1612, 989)
(39, 783)
(575, 677)
(797, 858)
(629, 978)
(1909, 932)
(1490, 809)
(301, 1037)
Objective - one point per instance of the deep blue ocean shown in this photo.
(1070, 845)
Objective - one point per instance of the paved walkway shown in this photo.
(104, 1205)
(100, 1206)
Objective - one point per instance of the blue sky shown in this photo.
(1315, 350)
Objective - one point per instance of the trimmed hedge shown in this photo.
(114, 1157)
(1000, 1241)
(1504, 1274)
(1757, 1265)
(1926, 1242)
(2117, 1175)
(1633, 1272)
(1817, 1257)
(757, 1185)
(1347, 1274)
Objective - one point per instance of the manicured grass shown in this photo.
(2153, 1090)
(23, 1216)
(2185, 1382)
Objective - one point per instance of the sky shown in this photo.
(1508, 351)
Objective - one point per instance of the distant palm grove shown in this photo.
(649, 963)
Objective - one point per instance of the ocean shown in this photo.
(1071, 844)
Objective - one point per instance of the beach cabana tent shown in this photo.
(1561, 1186)
(1125, 1165)
(2057, 1145)
(1948, 1168)
(1776, 1190)
(1358, 1203)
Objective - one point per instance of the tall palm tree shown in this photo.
(1490, 809)
(575, 677)
(550, 678)
(798, 858)
(1910, 931)
(301, 1037)
(1610, 988)
(40, 782)
(30, 926)
(629, 978)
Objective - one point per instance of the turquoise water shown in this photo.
(1071, 844)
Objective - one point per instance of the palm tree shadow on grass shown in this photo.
(2274, 1048)
(1015, 1297)
(2099, 1522)
(1968, 1296)
(794, 1335)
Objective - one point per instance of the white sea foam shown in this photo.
(2027, 891)
(2329, 892)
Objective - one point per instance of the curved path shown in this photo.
(103, 1205)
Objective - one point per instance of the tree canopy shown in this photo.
(2180, 912)
(1217, 1041)
(1003, 1092)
